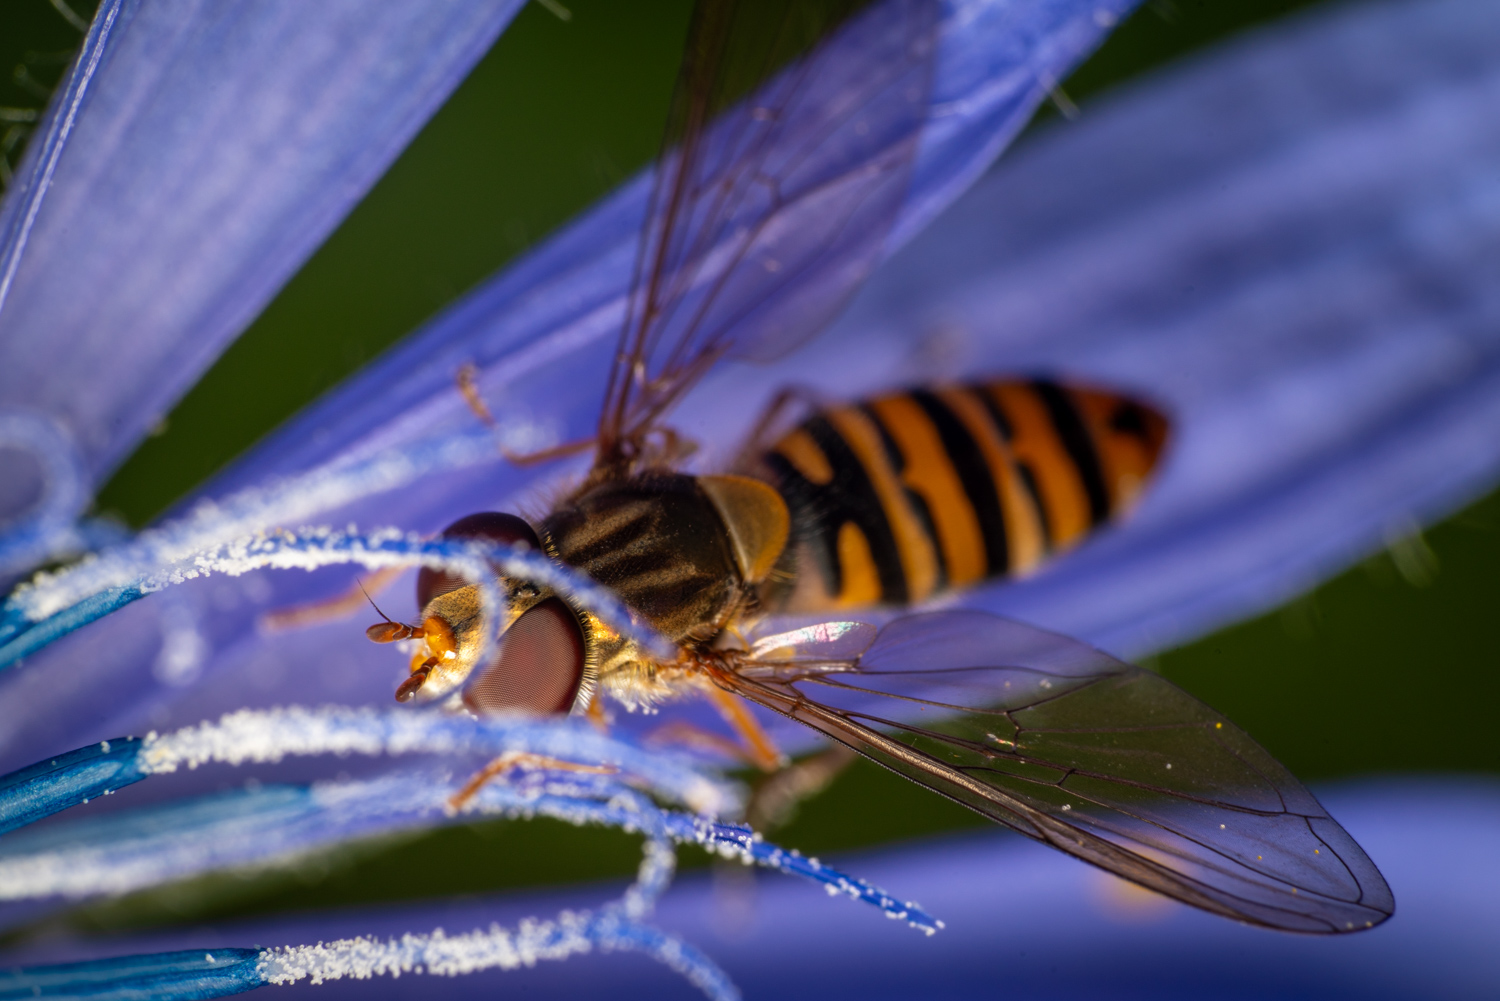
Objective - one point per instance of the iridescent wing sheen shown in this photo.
(1106, 761)
(786, 161)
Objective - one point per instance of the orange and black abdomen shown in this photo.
(898, 498)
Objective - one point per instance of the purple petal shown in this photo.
(1289, 245)
(536, 333)
(1315, 308)
(1018, 917)
(195, 157)
(540, 331)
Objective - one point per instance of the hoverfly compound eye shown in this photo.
(491, 526)
(539, 668)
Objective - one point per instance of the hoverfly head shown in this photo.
(536, 669)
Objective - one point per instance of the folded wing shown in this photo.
(1106, 761)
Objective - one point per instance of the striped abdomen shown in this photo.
(898, 498)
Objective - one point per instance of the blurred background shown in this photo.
(1389, 668)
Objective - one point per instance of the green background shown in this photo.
(1388, 668)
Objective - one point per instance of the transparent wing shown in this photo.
(786, 160)
(1103, 760)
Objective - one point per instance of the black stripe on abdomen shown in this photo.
(974, 474)
(914, 500)
(849, 496)
(1080, 446)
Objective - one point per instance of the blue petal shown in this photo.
(1289, 245)
(536, 332)
(1019, 918)
(192, 161)
(1305, 283)
(173, 976)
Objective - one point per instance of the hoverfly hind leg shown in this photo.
(680, 733)
(787, 408)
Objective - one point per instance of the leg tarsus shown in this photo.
(467, 379)
(546, 454)
(685, 734)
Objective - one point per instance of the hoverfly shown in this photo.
(839, 516)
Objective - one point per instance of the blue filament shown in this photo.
(741, 839)
(22, 633)
(67, 780)
(170, 841)
(165, 976)
(20, 636)
(191, 975)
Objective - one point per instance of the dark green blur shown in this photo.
(1388, 668)
(36, 46)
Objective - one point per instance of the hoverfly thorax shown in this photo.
(684, 552)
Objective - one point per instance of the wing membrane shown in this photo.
(772, 199)
(1103, 760)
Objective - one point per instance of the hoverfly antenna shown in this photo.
(390, 630)
(371, 600)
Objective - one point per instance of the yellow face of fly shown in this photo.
(453, 629)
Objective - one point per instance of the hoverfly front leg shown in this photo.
(518, 759)
(315, 613)
(467, 377)
(468, 386)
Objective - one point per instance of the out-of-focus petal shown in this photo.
(540, 331)
(541, 335)
(1289, 246)
(1018, 918)
(195, 157)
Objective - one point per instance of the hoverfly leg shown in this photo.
(547, 454)
(518, 759)
(316, 613)
(780, 414)
(596, 715)
(668, 449)
(467, 377)
(775, 800)
(681, 733)
(468, 386)
(758, 747)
